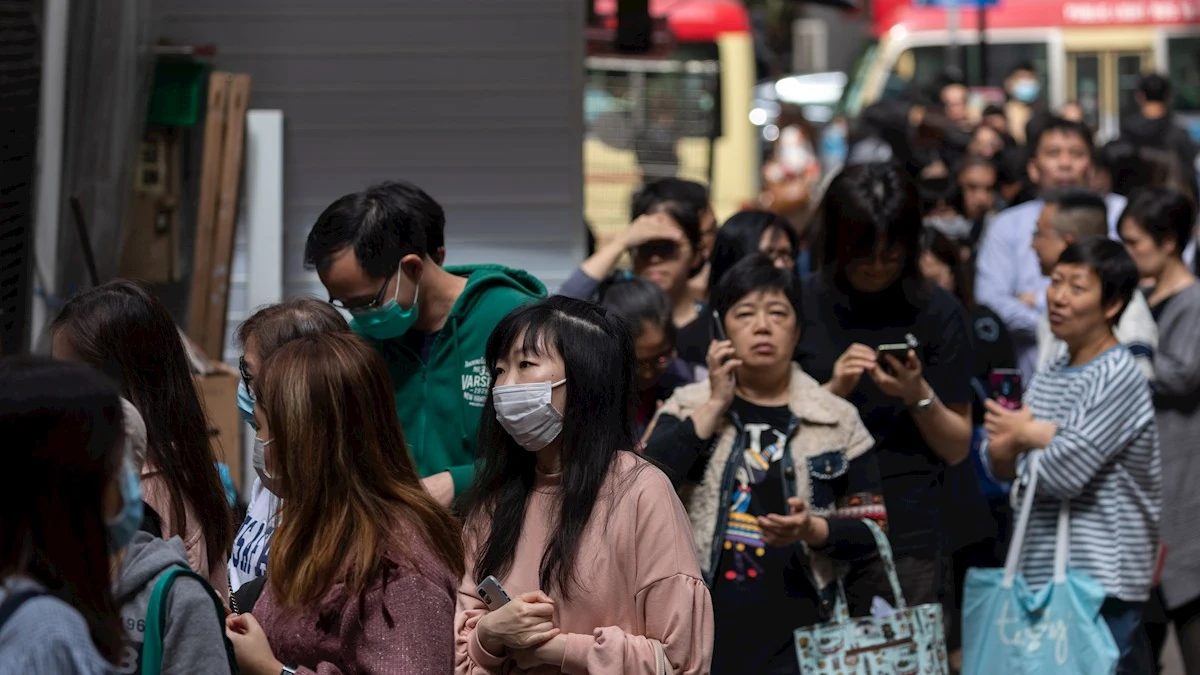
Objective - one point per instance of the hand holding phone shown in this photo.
(493, 594)
(898, 350)
(1006, 387)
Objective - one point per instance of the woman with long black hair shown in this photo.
(65, 504)
(585, 536)
(124, 332)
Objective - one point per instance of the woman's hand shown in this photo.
(721, 367)
(849, 368)
(1001, 423)
(549, 653)
(250, 646)
(652, 227)
(905, 381)
(526, 621)
(797, 526)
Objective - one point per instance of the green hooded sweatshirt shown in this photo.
(440, 400)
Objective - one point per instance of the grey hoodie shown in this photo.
(194, 639)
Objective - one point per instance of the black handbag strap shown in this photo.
(14, 601)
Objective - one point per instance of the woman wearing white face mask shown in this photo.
(586, 537)
(261, 335)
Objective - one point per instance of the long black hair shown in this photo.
(741, 236)
(123, 331)
(597, 353)
(63, 446)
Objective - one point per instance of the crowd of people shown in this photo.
(673, 464)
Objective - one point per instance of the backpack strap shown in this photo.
(14, 601)
(156, 617)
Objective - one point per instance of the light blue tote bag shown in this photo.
(1009, 628)
(911, 641)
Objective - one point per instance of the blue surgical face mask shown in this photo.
(1026, 91)
(245, 403)
(389, 321)
(129, 520)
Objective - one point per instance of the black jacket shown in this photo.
(1163, 133)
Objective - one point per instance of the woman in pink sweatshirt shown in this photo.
(587, 538)
(364, 563)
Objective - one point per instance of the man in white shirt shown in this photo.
(1008, 277)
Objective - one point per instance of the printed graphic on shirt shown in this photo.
(130, 660)
(743, 536)
(250, 550)
(475, 382)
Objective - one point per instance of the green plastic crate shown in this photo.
(179, 97)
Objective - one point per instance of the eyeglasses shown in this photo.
(661, 248)
(366, 307)
(244, 369)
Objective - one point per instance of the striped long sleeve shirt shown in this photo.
(1104, 458)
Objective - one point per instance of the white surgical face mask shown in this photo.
(259, 460)
(525, 412)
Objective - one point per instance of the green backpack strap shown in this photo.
(156, 617)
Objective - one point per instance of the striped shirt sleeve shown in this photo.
(1093, 433)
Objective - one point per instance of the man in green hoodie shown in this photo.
(377, 252)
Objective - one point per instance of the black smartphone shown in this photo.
(1006, 387)
(718, 326)
(899, 350)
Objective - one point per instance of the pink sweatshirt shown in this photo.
(404, 626)
(639, 575)
(156, 493)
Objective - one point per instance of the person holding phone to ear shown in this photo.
(775, 472)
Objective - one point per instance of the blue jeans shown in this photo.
(1124, 620)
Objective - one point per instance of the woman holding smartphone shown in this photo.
(586, 537)
(766, 460)
(871, 292)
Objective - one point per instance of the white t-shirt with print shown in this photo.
(248, 560)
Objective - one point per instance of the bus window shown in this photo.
(1183, 55)
(923, 65)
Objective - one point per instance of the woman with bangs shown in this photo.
(897, 347)
(586, 537)
(364, 563)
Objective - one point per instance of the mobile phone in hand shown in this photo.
(492, 593)
(1006, 387)
(899, 350)
(719, 326)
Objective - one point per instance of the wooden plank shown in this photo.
(210, 174)
(226, 221)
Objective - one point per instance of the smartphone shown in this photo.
(719, 326)
(899, 350)
(1006, 387)
(492, 593)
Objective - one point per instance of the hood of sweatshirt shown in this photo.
(145, 559)
(439, 399)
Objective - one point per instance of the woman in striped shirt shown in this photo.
(1090, 418)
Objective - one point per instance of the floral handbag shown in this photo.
(910, 641)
